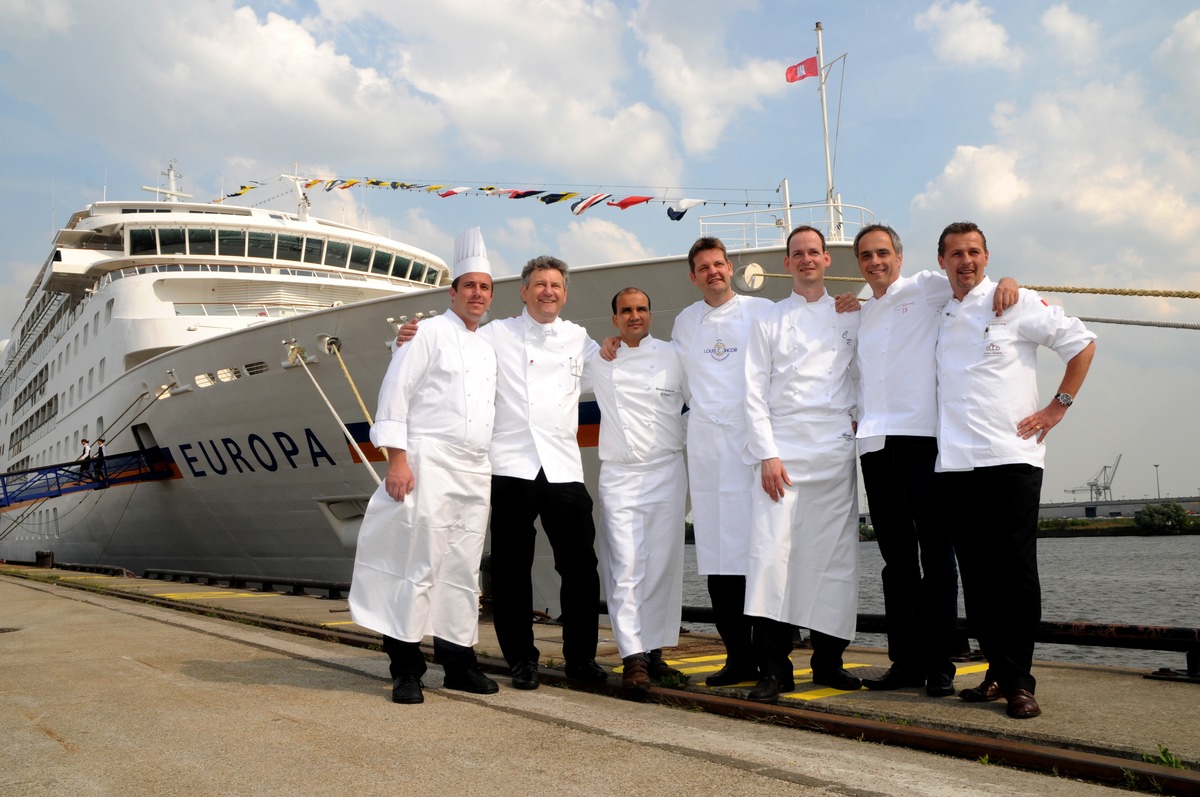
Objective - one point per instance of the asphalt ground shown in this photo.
(100, 694)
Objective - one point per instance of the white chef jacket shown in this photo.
(802, 564)
(455, 371)
(800, 364)
(641, 395)
(711, 342)
(897, 340)
(987, 376)
(416, 565)
(643, 486)
(539, 367)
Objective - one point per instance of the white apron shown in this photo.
(803, 560)
(720, 481)
(416, 568)
(641, 551)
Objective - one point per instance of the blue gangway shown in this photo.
(72, 477)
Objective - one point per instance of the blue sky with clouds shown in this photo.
(1068, 131)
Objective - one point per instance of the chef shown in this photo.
(800, 404)
(416, 568)
(710, 337)
(643, 488)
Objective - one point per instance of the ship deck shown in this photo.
(109, 688)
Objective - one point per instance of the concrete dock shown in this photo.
(100, 694)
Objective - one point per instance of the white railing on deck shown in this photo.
(749, 229)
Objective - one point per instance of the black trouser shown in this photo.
(407, 659)
(773, 643)
(728, 596)
(920, 581)
(566, 513)
(995, 514)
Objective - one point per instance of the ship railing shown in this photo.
(750, 229)
(225, 310)
(71, 477)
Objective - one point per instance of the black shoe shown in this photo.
(525, 675)
(732, 674)
(940, 685)
(589, 672)
(471, 680)
(407, 689)
(837, 679)
(894, 678)
(986, 692)
(768, 689)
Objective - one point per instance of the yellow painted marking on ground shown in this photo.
(339, 622)
(967, 669)
(84, 578)
(191, 596)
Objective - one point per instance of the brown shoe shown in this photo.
(659, 669)
(1022, 705)
(986, 692)
(635, 679)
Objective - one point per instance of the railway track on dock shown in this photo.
(1116, 768)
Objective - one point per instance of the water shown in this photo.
(1129, 580)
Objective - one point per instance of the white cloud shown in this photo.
(596, 240)
(1076, 37)
(964, 33)
(1179, 57)
(977, 181)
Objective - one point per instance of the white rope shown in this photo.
(296, 354)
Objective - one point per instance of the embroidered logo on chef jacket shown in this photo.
(720, 351)
(992, 350)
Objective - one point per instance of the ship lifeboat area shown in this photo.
(114, 684)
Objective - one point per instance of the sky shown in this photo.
(1069, 132)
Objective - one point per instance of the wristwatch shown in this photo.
(1064, 399)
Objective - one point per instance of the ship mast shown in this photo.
(171, 193)
(831, 197)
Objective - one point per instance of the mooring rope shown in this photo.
(297, 356)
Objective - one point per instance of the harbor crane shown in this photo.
(1099, 487)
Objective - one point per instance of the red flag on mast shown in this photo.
(806, 68)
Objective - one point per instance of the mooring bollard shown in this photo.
(44, 559)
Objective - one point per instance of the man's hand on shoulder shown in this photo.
(847, 303)
(608, 349)
(406, 332)
(1007, 293)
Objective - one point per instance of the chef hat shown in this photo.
(470, 254)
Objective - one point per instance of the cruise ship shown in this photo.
(230, 357)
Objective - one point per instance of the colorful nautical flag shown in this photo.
(579, 207)
(524, 194)
(453, 191)
(550, 199)
(676, 210)
(629, 202)
(806, 68)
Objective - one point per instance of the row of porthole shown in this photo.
(228, 374)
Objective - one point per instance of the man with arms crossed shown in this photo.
(416, 568)
(897, 446)
(990, 455)
(800, 403)
(643, 488)
(710, 337)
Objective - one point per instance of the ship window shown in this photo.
(231, 242)
(254, 369)
(418, 272)
(108, 307)
(401, 268)
(431, 275)
(202, 242)
(335, 253)
(96, 322)
(100, 371)
(262, 244)
(360, 258)
(382, 263)
(314, 248)
(91, 374)
(141, 242)
(229, 374)
(170, 241)
(289, 247)
(205, 380)
(85, 334)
